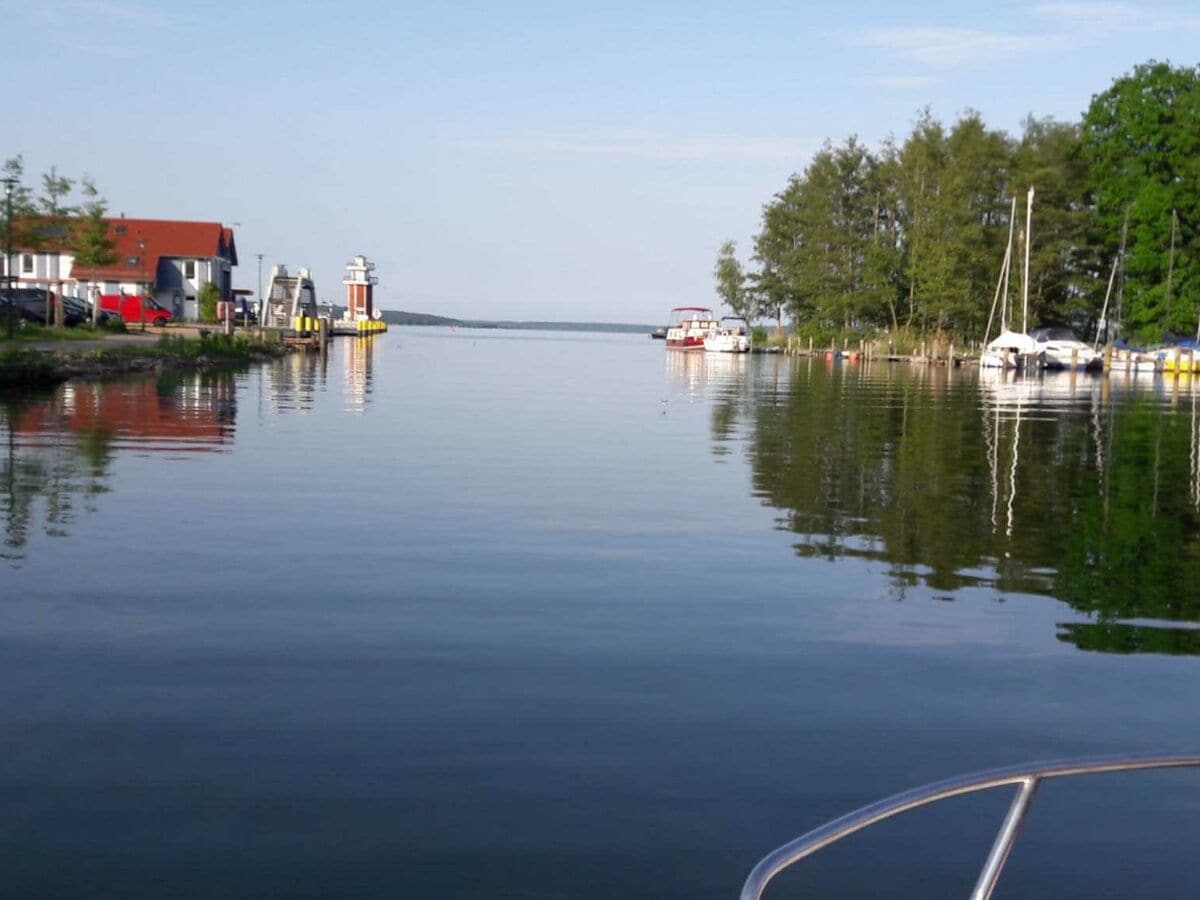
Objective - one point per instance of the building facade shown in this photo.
(167, 259)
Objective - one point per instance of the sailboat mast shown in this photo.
(1005, 316)
(1117, 260)
(1025, 274)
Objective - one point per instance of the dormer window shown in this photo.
(120, 229)
(189, 268)
(131, 261)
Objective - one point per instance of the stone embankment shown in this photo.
(42, 366)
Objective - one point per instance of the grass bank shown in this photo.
(24, 366)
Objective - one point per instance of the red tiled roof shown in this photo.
(141, 243)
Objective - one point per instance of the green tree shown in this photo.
(775, 250)
(1141, 142)
(1063, 264)
(208, 297)
(15, 226)
(52, 230)
(927, 265)
(89, 240)
(730, 280)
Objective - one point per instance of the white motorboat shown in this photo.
(688, 327)
(1061, 348)
(731, 336)
(1010, 350)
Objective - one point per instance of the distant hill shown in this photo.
(400, 317)
(611, 327)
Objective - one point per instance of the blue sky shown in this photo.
(523, 160)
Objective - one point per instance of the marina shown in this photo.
(423, 573)
(917, 560)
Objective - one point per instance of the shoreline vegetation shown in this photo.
(909, 236)
(23, 366)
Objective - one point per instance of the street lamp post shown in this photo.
(142, 284)
(260, 256)
(10, 184)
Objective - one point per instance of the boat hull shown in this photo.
(685, 343)
(727, 343)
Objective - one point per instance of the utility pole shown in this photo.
(10, 184)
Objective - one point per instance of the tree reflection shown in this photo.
(59, 446)
(52, 471)
(1045, 486)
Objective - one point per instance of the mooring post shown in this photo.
(1108, 351)
(1074, 358)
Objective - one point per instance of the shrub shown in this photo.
(209, 295)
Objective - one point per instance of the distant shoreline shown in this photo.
(400, 317)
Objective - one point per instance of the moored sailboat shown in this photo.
(1010, 349)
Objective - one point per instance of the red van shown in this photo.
(130, 308)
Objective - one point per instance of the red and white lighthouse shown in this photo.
(360, 284)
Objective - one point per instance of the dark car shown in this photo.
(83, 308)
(245, 312)
(33, 305)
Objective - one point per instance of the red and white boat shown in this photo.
(688, 326)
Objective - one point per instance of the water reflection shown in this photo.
(59, 446)
(292, 383)
(1081, 488)
(357, 361)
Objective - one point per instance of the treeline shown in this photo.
(912, 234)
(65, 214)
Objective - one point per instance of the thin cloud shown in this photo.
(901, 82)
(1091, 15)
(107, 51)
(951, 47)
(1113, 17)
(129, 14)
(643, 146)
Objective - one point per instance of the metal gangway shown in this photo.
(1027, 778)
(288, 298)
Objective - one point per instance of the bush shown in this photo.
(209, 295)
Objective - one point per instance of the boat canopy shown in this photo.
(1013, 341)
(1054, 333)
(692, 314)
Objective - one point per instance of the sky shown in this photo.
(523, 160)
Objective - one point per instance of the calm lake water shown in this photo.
(531, 615)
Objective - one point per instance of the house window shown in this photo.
(26, 263)
(189, 268)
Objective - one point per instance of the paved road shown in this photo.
(128, 339)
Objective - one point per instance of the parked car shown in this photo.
(84, 309)
(134, 308)
(33, 304)
(245, 312)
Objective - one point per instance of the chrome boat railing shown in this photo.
(1027, 777)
